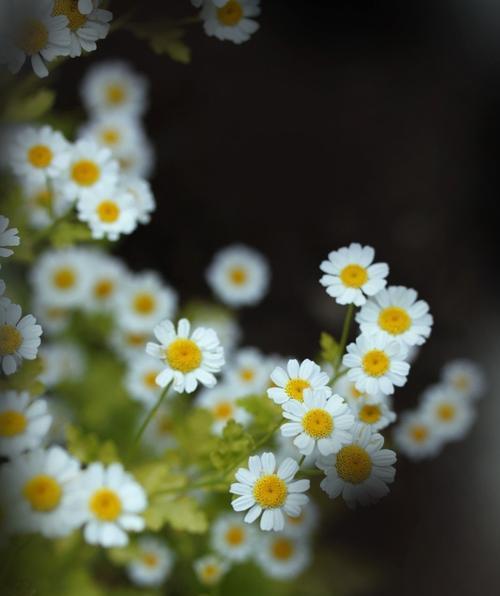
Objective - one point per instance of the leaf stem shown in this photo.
(150, 416)
(345, 335)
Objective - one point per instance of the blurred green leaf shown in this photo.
(329, 348)
(164, 37)
(25, 379)
(29, 108)
(87, 447)
(232, 447)
(68, 233)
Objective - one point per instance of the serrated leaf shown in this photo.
(69, 233)
(157, 477)
(183, 514)
(265, 413)
(26, 378)
(87, 447)
(234, 445)
(31, 107)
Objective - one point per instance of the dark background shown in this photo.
(364, 121)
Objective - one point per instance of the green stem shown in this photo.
(345, 335)
(311, 472)
(301, 460)
(150, 416)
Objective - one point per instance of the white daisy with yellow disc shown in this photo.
(61, 361)
(44, 204)
(140, 379)
(153, 563)
(376, 413)
(221, 403)
(465, 377)
(118, 132)
(321, 421)
(248, 372)
(8, 237)
(282, 556)
(375, 365)
(304, 524)
(24, 424)
(351, 275)
(107, 278)
(347, 389)
(113, 503)
(415, 436)
(269, 491)
(189, 358)
(144, 200)
(232, 538)
(450, 413)
(19, 337)
(232, 20)
(291, 383)
(128, 344)
(360, 471)
(396, 313)
(210, 569)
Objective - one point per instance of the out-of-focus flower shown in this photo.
(230, 20)
(465, 377)
(106, 281)
(221, 403)
(282, 556)
(144, 200)
(304, 524)
(8, 237)
(19, 338)
(153, 564)
(248, 372)
(450, 413)
(61, 361)
(44, 203)
(210, 569)
(140, 380)
(415, 436)
(232, 538)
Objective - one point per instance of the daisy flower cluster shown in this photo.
(102, 175)
(229, 20)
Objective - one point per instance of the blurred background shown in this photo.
(338, 122)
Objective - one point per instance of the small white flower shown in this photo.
(113, 502)
(54, 319)
(238, 276)
(375, 365)
(137, 160)
(321, 420)
(118, 132)
(286, 448)
(106, 280)
(23, 423)
(153, 565)
(140, 380)
(30, 31)
(44, 204)
(282, 556)
(85, 27)
(112, 87)
(350, 274)
(263, 489)
(41, 488)
(415, 436)
(375, 414)
(222, 322)
(37, 155)
(144, 300)
(347, 389)
(19, 338)
(109, 212)
(230, 20)
(144, 200)
(395, 313)
(303, 525)
(290, 384)
(61, 361)
(221, 403)
(465, 377)
(8, 237)
(190, 358)
(248, 372)
(450, 413)
(232, 538)
(360, 471)
(210, 569)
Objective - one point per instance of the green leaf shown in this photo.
(31, 107)
(25, 379)
(164, 38)
(87, 447)
(157, 477)
(232, 447)
(265, 413)
(329, 348)
(183, 514)
(68, 233)
(124, 554)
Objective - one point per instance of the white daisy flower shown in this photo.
(375, 414)
(375, 365)
(8, 237)
(118, 132)
(19, 338)
(450, 413)
(37, 155)
(53, 319)
(129, 344)
(4, 301)
(395, 313)
(321, 420)
(144, 200)
(232, 538)
(360, 471)
(109, 212)
(30, 31)
(190, 358)
(140, 380)
(85, 6)
(238, 276)
(85, 27)
(153, 564)
(144, 301)
(44, 204)
(113, 502)
(304, 524)
(91, 170)
(61, 278)
(159, 434)
(41, 488)
(61, 361)
(350, 274)
(282, 556)
(231, 20)
(347, 389)
(137, 160)
(263, 489)
(221, 403)
(465, 377)
(23, 423)
(227, 329)
(415, 436)
(290, 384)
(112, 87)
(107, 278)
(248, 372)
(210, 569)
(286, 448)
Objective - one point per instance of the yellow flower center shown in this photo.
(270, 491)
(318, 423)
(103, 289)
(10, 340)
(210, 572)
(69, 9)
(144, 303)
(376, 363)
(85, 172)
(230, 14)
(223, 410)
(238, 276)
(105, 504)
(295, 388)
(115, 94)
(42, 492)
(150, 559)
(33, 37)
(446, 412)
(183, 355)
(108, 211)
(135, 340)
(12, 423)
(370, 414)
(282, 549)
(64, 278)
(462, 382)
(44, 199)
(110, 136)
(419, 433)
(235, 536)
(354, 276)
(150, 379)
(354, 392)
(394, 320)
(247, 374)
(353, 464)
(40, 156)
